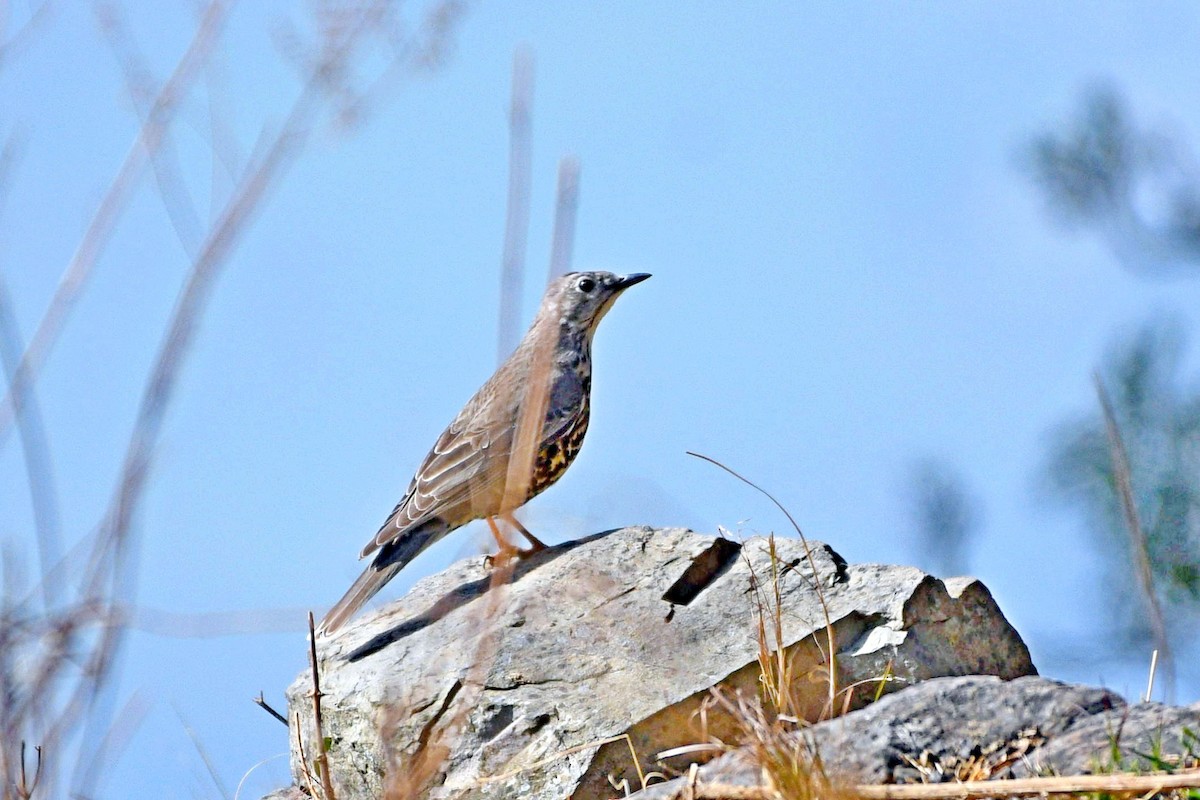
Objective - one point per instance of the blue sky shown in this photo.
(851, 271)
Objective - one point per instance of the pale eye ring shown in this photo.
(586, 285)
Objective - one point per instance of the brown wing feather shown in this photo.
(453, 475)
(463, 476)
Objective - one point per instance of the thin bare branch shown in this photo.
(66, 690)
(111, 207)
(262, 703)
(209, 766)
(26, 786)
(10, 45)
(426, 51)
(35, 448)
(111, 566)
(139, 84)
(181, 330)
(227, 158)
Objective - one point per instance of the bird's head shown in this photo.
(581, 299)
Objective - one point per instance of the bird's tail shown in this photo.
(390, 559)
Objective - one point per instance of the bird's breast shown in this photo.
(557, 452)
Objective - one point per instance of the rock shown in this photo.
(1136, 735)
(974, 728)
(519, 690)
(288, 793)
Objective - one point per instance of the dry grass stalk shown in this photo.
(1150, 680)
(56, 667)
(1123, 475)
(110, 567)
(26, 786)
(768, 724)
(776, 662)
(311, 785)
(566, 205)
(516, 218)
(781, 669)
(1118, 784)
(1123, 784)
(31, 431)
(76, 641)
(561, 754)
(790, 767)
(406, 777)
(139, 85)
(12, 42)
(322, 759)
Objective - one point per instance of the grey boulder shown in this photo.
(976, 728)
(552, 683)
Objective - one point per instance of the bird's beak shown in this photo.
(629, 280)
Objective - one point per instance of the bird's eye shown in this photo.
(586, 285)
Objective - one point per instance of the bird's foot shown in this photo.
(502, 557)
(510, 550)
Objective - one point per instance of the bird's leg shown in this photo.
(506, 548)
(535, 544)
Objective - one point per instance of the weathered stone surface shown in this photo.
(1135, 736)
(515, 682)
(288, 793)
(976, 728)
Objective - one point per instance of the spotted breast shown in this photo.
(557, 453)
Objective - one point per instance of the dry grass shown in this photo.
(770, 723)
(1099, 787)
(1138, 546)
(771, 734)
(777, 670)
(407, 775)
(59, 648)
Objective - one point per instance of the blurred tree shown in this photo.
(1135, 188)
(1159, 422)
(944, 515)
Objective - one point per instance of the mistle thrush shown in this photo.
(493, 458)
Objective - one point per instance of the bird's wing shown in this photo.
(463, 476)
(464, 465)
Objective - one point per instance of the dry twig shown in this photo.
(968, 790)
(322, 750)
(1123, 476)
(149, 138)
(86, 636)
(262, 703)
(31, 431)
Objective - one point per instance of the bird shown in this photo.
(494, 457)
